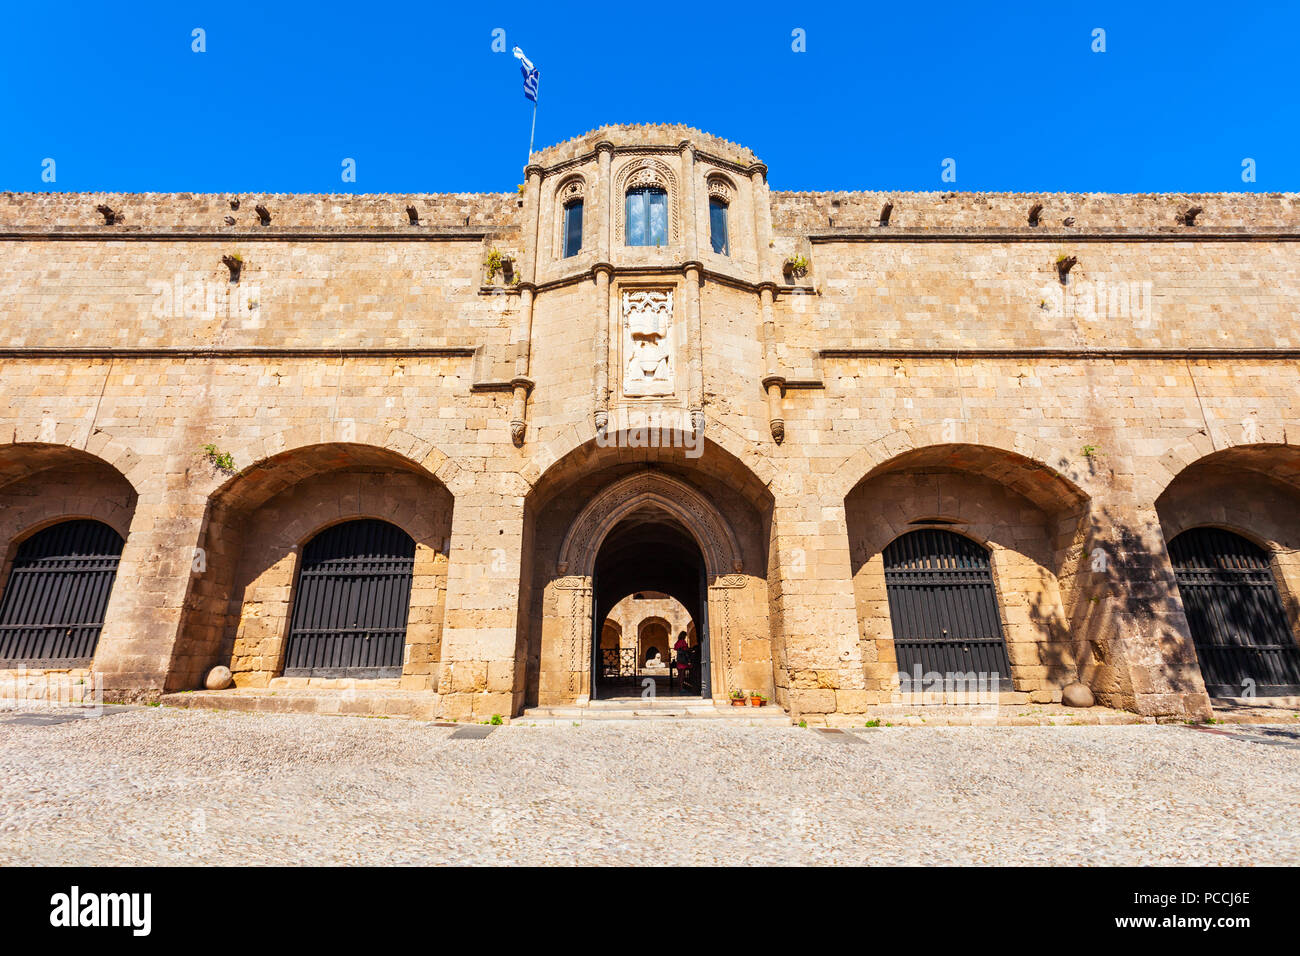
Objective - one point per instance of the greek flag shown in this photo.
(531, 75)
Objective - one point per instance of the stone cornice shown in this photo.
(1170, 234)
(288, 351)
(853, 352)
(110, 234)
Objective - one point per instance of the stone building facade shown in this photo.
(649, 371)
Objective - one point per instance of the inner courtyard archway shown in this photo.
(650, 551)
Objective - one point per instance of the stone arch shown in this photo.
(716, 512)
(340, 438)
(716, 539)
(1033, 464)
(718, 185)
(1265, 444)
(656, 632)
(46, 483)
(578, 449)
(255, 524)
(646, 171)
(1031, 519)
(1251, 489)
(568, 190)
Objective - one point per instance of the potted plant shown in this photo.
(756, 699)
(737, 698)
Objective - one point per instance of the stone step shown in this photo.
(377, 702)
(627, 713)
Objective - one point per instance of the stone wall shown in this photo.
(362, 365)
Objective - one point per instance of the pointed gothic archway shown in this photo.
(651, 531)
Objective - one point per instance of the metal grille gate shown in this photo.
(943, 606)
(1235, 614)
(351, 603)
(54, 601)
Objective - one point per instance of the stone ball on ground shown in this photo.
(1077, 695)
(219, 678)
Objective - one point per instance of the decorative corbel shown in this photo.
(774, 385)
(522, 385)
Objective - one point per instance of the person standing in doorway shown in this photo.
(682, 651)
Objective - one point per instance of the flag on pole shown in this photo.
(531, 75)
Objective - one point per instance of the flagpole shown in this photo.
(533, 131)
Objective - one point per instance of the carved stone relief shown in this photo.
(648, 366)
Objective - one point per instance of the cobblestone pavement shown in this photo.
(168, 786)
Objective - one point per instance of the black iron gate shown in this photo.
(351, 603)
(54, 601)
(1235, 614)
(943, 607)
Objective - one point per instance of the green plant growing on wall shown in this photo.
(223, 460)
(1091, 451)
(494, 263)
(797, 266)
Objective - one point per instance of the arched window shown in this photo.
(54, 600)
(572, 228)
(647, 216)
(1235, 614)
(718, 226)
(351, 602)
(943, 607)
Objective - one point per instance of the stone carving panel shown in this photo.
(648, 365)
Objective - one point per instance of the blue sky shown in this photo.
(883, 94)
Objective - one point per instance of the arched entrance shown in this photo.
(1235, 614)
(651, 531)
(56, 595)
(650, 549)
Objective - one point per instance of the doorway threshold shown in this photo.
(640, 710)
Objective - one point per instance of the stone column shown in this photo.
(603, 272)
(773, 380)
(1127, 615)
(605, 194)
(814, 612)
(694, 344)
(521, 383)
(139, 648)
(762, 207)
(689, 211)
(531, 224)
(479, 676)
(565, 676)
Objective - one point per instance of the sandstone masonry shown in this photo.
(1068, 381)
